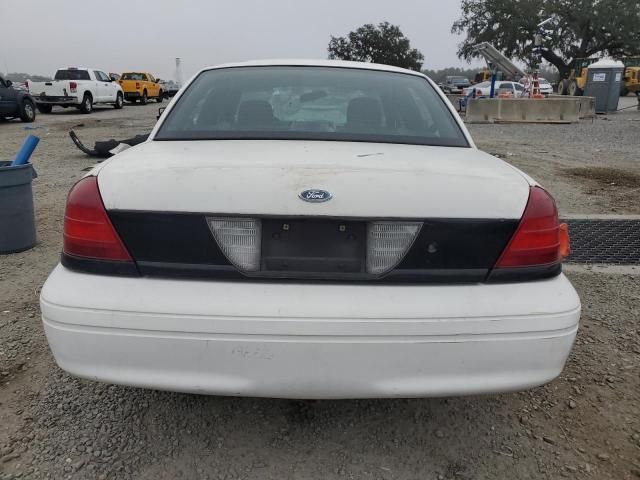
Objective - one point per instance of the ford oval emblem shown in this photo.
(315, 196)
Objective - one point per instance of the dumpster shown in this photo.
(604, 79)
(17, 221)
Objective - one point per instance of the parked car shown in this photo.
(16, 103)
(140, 86)
(455, 84)
(545, 87)
(169, 87)
(311, 229)
(82, 88)
(483, 89)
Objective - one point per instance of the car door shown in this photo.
(103, 86)
(111, 88)
(8, 98)
(154, 88)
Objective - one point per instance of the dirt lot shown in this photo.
(586, 424)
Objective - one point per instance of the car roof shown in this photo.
(295, 62)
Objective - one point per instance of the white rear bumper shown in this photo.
(309, 340)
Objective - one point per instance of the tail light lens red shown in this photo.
(137, 85)
(540, 239)
(88, 232)
(73, 86)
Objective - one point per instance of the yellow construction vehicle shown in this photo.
(574, 85)
(485, 76)
(631, 77)
(482, 76)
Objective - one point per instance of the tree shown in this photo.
(384, 44)
(580, 28)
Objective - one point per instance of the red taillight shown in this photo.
(73, 86)
(540, 239)
(137, 85)
(88, 232)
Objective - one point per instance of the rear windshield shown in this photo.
(72, 75)
(312, 103)
(133, 76)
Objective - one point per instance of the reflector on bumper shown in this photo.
(387, 244)
(239, 239)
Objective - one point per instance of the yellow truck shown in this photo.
(574, 85)
(140, 86)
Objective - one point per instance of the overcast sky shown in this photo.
(120, 35)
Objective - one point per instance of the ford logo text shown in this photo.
(315, 196)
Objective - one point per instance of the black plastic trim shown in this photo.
(446, 251)
(524, 274)
(100, 267)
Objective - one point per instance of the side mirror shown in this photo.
(8, 83)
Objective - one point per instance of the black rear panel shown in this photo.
(445, 251)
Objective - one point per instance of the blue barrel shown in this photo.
(17, 220)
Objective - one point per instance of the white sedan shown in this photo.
(311, 229)
(501, 86)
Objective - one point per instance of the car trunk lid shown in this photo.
(265, 178)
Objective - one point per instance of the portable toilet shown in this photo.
(604, 79)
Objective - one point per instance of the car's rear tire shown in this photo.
(87, 104)
(27, 111)
(44, 108)
(160, 97)
(144, 98)
(119, 101)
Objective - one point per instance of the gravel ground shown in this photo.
(585, 424)
(590, 167)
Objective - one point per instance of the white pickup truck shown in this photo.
(77, 87)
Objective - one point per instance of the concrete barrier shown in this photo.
(521, 110)
(586, 107)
